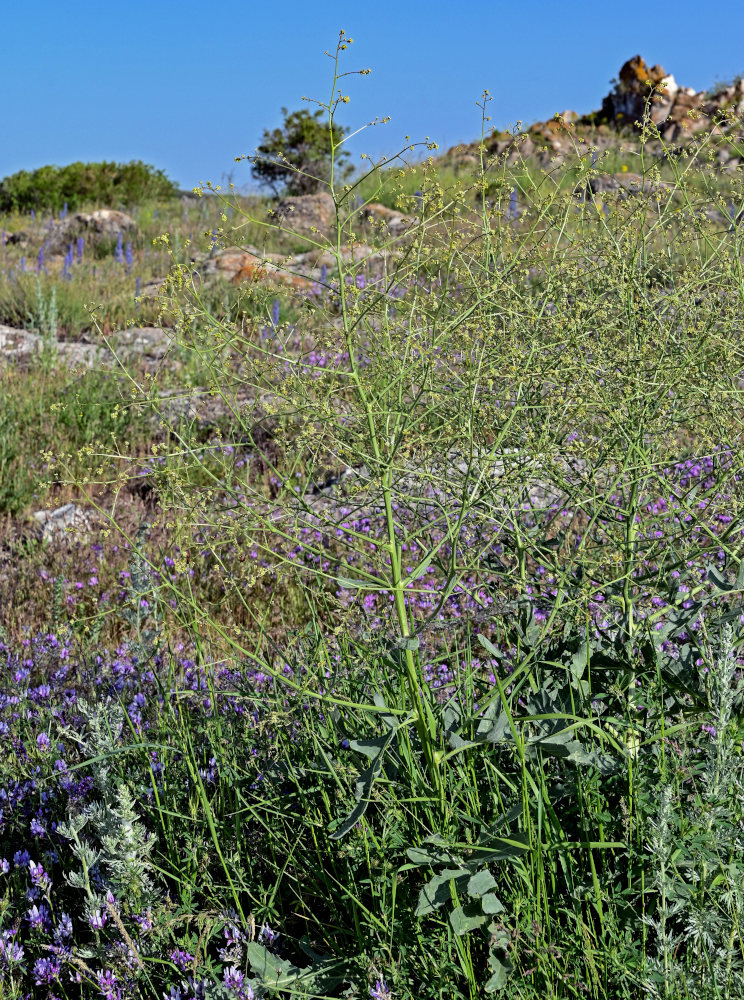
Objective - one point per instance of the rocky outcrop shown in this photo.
(104, 224)
(306, 213)
(639, 85)
(678, 112)
(68, 521)
(387, 220)
(145, 346)
(303, 271)
(626, 184)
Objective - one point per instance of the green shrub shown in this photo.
(296, 158)
(50, 188)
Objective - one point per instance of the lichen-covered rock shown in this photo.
(639, 86)
(18, 346)
(145, 346)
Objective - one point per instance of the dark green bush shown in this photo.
(50, 188)
(296, 158)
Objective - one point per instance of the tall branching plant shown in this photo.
(519, 419)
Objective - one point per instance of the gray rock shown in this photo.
(18, 345)
(147, 345)
(305, 211)
(68, 520)
(104, 224)
(622, 185)
(395, 222)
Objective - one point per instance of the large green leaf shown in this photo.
(437, 890)
(375, 749)
(481, 883)
(491, 903)
(501, 969)
(467, 918)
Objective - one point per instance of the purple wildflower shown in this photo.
(181, 958)
(39, 877)
(234, 980)
(46, 970)
(37, 828)
(63, 929)
(267, 936)
(107, 985)
(10, 952)
(39, 916)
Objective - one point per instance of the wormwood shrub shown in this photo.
(500, 459)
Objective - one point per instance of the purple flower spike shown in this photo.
(108, 985)
(234, 981)
(46, 970)
(181, 958)
(10, 952)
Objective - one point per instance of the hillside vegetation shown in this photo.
(371, 579)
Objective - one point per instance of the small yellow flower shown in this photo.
(624, 168)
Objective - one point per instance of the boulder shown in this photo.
(68, 520)
(395, 222)
(19, 239)
(683, 113)
(626, 103)
(306, 212)
(147, 346)
(104, 224)
(301, 271)
(18, 346)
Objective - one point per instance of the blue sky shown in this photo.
(189, 85)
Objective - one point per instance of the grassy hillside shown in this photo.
(394, 644)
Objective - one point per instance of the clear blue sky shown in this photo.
(189, 85)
